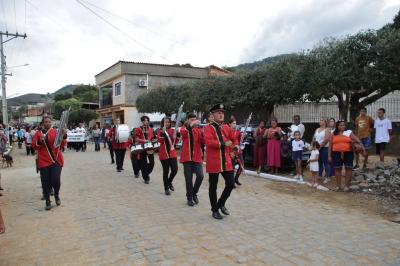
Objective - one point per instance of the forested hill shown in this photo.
(255, 64)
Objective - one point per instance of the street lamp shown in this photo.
(24, 65)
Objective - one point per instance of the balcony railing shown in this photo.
(107, 102)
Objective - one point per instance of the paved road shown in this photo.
(112, 218)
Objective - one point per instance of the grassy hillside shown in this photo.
(29, 98)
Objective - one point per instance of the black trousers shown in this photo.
(119, 158)
(168, 177)
(30, 150)
(135, 164)
(146, 163)
(212, 189)
(51, 178)
(188, 169)
(110, 147)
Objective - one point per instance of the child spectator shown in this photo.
(314, 166)
(297, 154)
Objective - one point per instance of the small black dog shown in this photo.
(8, 159)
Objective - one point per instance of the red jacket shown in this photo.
(191, 149)
(140, 136)
(218, 157)
(47, 154)
(116, 145)
(166, 145)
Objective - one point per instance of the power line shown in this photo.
(15, 17)
(131, 22)
(4, 14)
(122, 32)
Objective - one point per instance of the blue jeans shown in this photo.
(323, 162)
(96, 143)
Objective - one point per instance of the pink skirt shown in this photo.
(274, 153)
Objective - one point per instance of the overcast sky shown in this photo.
(68, 44)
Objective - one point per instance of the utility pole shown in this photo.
(10, 36)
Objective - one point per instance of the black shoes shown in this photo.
(237, 182)
(136, 176)
(58, 201)
(118, 170)
(224, 210)
(217, 215)
(112, 162)
(171, 187)
(190, 203)
(42, 198)
(146, 181)
(167, 192)
(196, 199)
(48, 205)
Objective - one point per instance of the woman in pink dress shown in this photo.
(274, 146)
(259, 147)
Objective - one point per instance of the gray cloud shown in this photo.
(301, 27)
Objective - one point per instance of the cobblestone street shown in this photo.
(112, 218)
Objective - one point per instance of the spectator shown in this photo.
(322, 136)
(341, 153)
(28, 142)
(364, 125)
(259, 147)
(286, 152)
(96, 132)
(296, 126)
(383, 131)
(297, 154)
(273, 146)
(314, 163)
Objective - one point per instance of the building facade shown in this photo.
(121, 84)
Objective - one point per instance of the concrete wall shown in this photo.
(108, 74)
(132, 89)
(164, 70)
(120, 99)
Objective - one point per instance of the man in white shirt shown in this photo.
(296, 126)
(383, 131)
(81, 130)
(28, 142)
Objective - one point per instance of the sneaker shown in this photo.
(196, 199)
(171, 187)
(217, 215)
(356, 167)
(58, 201)
(326, 180)
(190, 203)
(167, 192)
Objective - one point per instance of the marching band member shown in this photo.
(143, 135)
(118, 147)
(50, 160)
(219, 139)
(109, 143)
(167, 153)
(192, 157)
(134, 157)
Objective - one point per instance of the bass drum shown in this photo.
(122, 133)
(137, 148)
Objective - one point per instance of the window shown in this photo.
(117, 89)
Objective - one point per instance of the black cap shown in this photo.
(191, 115)
(217, 107)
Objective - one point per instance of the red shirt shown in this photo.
(166, 145)
(47, 154)
(191, 145)
(116, 145)
(143, 133)
(218, 157)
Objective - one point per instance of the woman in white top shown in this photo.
(322, 136)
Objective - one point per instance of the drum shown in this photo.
(137, 148)
(178, 145)
(122, 133)
(156, 145)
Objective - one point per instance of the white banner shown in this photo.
(75, 137)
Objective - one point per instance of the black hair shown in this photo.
(316, 144)
(191, 115)
(363, 109)
(261, 121)
(274, 119)
(144, 118)
(45, 117)
(232, 120)
(165, 118)
(382, 109)
(336, 132)
(296, 116)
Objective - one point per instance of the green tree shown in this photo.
(82, 116)
(62, 96)
(60, 106)
(86, 93)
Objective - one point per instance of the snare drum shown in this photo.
(178, 145)
(137, 148)
(122, 133)
(156, 145)
(148, 146)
